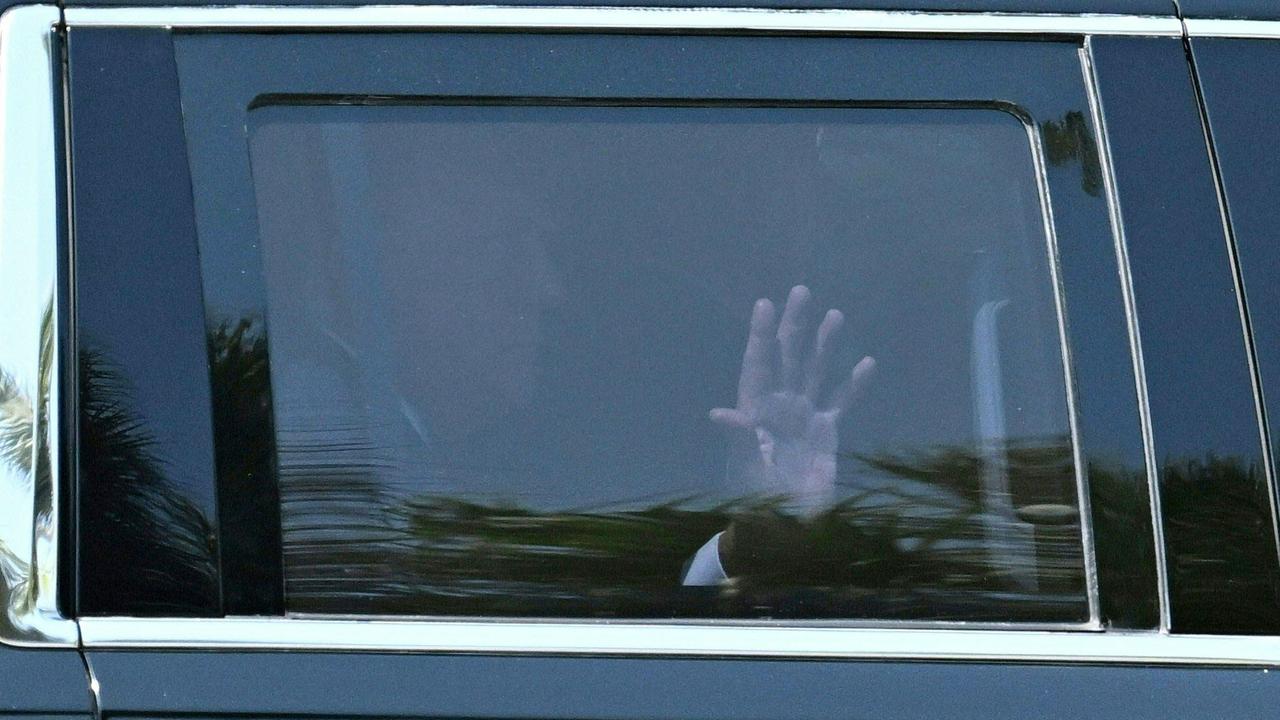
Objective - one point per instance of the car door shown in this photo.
(504, 257)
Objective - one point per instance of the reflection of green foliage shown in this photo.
(248, 500)
(43, 475)
(915, 550)
(16, 448)
(1223, 572)
(18, 445)
(339, 540)
(1070, 140)
(1039, 471)
(19, 449)
(160, 546)
(911, 548)
(15, 584)
(1126, 560)
(150, 549)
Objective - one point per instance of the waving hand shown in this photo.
(783, 432)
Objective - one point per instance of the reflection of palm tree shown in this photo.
(19, 448)
(912, 548)
(244, 440)
(151, 551)
(149, 548)
(1070, 140)
(17, 451)
(1222, 576)
(18, 445)
(16, 422)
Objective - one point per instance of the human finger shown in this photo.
(817, 369)
(757, 359)
(849, 389)
(789, 331)
(731, 417)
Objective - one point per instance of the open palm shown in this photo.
(783, 433)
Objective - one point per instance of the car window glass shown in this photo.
(509, 375)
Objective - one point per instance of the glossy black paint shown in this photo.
(1224, 575)
(141, 164)
(148, 541)
(50, 683)
(1244, 123)
(664, 689)
(68, 410)
(1232, 9)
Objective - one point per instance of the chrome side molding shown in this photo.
(641, 639)
(640, 19)
(1243, 29)
(29, 440)
(28, 353)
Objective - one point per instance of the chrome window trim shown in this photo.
(492, 17)
(1135, 334)
(29, 91)
(1083, 502)
(1038, 153)
(636, 639)
(1244, 29)
(955, 641)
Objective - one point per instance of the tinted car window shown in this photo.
(498, 335)
(478, 318)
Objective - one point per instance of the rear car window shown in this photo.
(507, 359)
(475, 325)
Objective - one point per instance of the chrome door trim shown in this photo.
(638, 639)
(1135, 335)
(1083, 498)
(29, 467)
(1255, 29)
(633, 19)
(939, 641)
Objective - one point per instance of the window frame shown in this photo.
(214, 105)
(887, 641)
